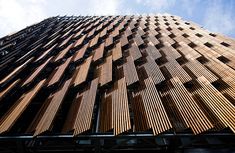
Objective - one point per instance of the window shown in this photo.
(202, 60)
(180, 28)
(199, 35)
(175, 45)
(158, 36)
(158, 29)
(192, 28)
(223, 59)
(208, 45)
(212, 34)
(169, 29)
(172, 35)
(225, 44)
(185, 35)
(192, 45)
(167, 24)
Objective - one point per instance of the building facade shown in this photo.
(96, 83)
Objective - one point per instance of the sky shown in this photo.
(215, 15)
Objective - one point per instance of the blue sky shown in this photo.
(214, 15)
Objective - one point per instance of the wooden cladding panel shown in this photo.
(81, 73)
(217, 103)
(177, 71)
(63, 52)
(47, 118)
(199, 70)
(130, 72)
(120, 108)
(170, 52)
(188, 108)
(84, 116)
(156, 114)
(153, 70)
(106, 71)
(58, 72)
(36, 72)
(115, 110)
(135, 52)
(5, 91)
(153, 51)
(15, 71)
(98, 53)
(117, 52)
(18, 108)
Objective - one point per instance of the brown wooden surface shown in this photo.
(18, 108)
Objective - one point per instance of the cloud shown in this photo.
(17, 14)
(104, 7)
(214, 15)
(83, 7)
(190, 5)
(157, 5)
(220, 18)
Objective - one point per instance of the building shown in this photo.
(114, 83)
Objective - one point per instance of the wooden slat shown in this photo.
(79, 32)
(66, 41)
(169, 51)
(115, 110)
(188, 52)
(108, 41)
(188, 108)
(103, 32)
(217, 103)
(18, 108)
(98, 53)
(46, 53)
(58, 72)
(106, 71)
(105, 123)
(81, 73)
(84, 116)
(94, 41)
(124, 40)
(117, 52)
(8, 89)
(130, 71)
(153, 51)
(140, 115)
(156, 114)
(79, 41)
(199, 70)
(16, 71)
(63, 52)
(47, 118)
(138, 40)
(36, 72)
(80, 53)
(151, 38)
(135, 52)
(153, 70)
(121, 117)
(177, 71)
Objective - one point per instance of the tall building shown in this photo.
(113, 83)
